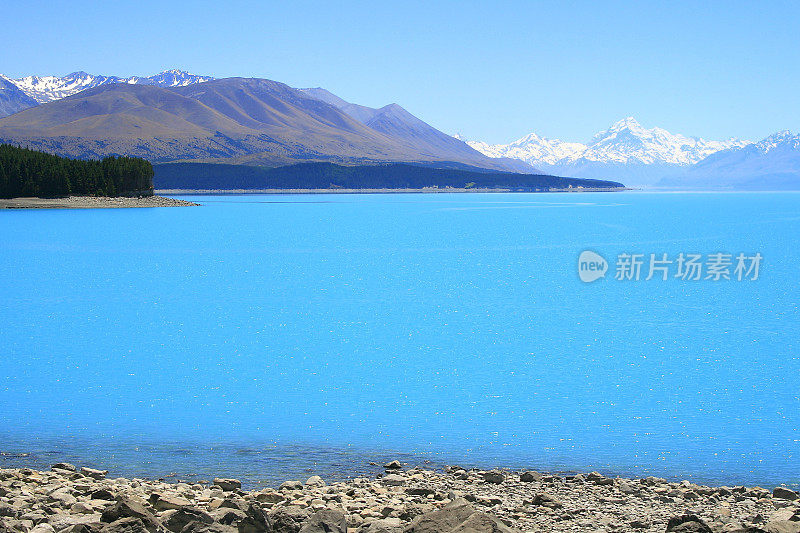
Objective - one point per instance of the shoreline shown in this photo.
(401, 499)
(426, 190)
(92, 202)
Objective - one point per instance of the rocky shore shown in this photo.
(425, 190)
(91, 202)
(402, 500)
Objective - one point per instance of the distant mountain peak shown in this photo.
(626, 123)
(624, 147)
(45, 89)
(779, 136)
(770, 164)
(784, 138)
(629, 126)
(12, 98)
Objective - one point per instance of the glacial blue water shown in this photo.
(264, 336)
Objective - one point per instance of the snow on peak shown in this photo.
(531, 148)
(176, 78)
(624, 142)
(627, 123)
(48, 88)
(781, 139)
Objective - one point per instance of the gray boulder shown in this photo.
(530, 476)
(784, 493)
(184, 516)
(288, 519)
(687, 524)
(81, 508)
(393, 480)
(166, 502)
(599, 479)
(61, 521)
(325, 521)
(547, 500)
(93, 473)
(7, 510)
(270, 496)
(228, 517)
(256, 520)
(493, 476)
(782, 526)
(227, 484)
(200, 527)
(131, 508)
(103, 494)
(457, 517)
(384, 525)
(126, 525)
(315, 481)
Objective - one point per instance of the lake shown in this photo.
(264, 336)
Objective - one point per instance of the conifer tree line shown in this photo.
(26, 172)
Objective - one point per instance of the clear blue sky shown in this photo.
(493, 71)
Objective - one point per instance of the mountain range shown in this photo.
(770, 164)
(626, 151)
(175, 116)
(49, 88)
(12, 98)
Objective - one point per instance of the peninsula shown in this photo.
(34, 179)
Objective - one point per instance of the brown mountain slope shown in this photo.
(121, 110)
(251, 121)
(397, 123)
(264, 104)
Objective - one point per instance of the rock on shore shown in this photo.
(71, 500)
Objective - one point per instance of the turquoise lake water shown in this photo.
(264, 336)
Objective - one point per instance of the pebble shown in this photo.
(71, 500)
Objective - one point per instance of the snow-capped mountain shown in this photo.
(627, 142)
(770, 164)
(782, 141)
(626, 151)
(45, 89)
(12, 99)
(532, 149)
(170, 78)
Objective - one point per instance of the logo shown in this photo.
(591, 266)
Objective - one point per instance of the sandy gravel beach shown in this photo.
(91, 202)
(401, 500)
(427, 190)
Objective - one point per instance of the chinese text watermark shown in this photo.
(716, 266)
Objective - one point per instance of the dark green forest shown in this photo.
(25, 172)
(194, 176)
